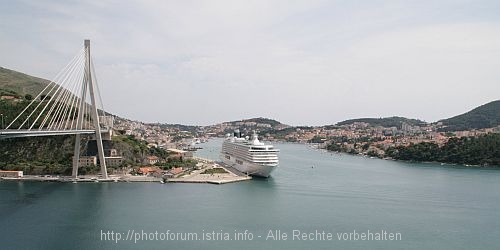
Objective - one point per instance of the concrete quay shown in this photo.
(84, 178)
(197, 176)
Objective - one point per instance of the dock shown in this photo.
(84, 179)
(197, 176)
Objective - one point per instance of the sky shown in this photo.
(299, 62)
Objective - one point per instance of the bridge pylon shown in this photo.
(88, 87)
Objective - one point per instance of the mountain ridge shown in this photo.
(19, 83)
(484, 116)
(393, 121)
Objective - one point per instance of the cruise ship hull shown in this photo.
(246, 167)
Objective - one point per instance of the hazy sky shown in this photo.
(300, 62)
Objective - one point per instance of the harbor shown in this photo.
(233, 167)
(339, 194)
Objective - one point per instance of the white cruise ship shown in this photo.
(249, 157)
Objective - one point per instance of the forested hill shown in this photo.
(19, 84)
(394, 121)
(484, 116)
(482, 150)
(259, 120)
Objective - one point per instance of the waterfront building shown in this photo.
(176, 171)
(114, 161)
(11, 174)
(180, 153)
(86, 161)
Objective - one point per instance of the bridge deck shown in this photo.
(14, 133)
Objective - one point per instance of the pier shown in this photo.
(84, 179)
(196, 176)
(200, 176)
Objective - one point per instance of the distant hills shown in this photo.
(394, 121)
(19, 84)
(247, 126)
(259, 120)
(484, 116)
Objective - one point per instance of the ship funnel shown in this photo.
(255, 136)
(237, 133)
(255, 139)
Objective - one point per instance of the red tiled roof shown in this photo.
(176, 170)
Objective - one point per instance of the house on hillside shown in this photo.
(8, 97)
(180, 153)
(152, 160)
(150, 171)
(175, 172)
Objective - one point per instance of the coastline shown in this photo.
(195, 176)
(316, 146)
(444, 164)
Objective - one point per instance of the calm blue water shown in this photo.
(431, 206)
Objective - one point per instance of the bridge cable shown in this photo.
(45, 97)
(67, 108)
(58, 103)
(99, 95)
(61, 102)
(74, 101)
(56, 93)
(48, 85)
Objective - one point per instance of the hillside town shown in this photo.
(363, 138)
(356, 137)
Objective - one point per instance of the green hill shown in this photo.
(483, 150)
(257, 121)
(19, 84)
(387, 122)
(262, 120)
(484, 116)
(53, 154)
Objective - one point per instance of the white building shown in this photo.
(11, 174)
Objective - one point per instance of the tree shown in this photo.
(481, 150)
(28, 97)
(45, 97)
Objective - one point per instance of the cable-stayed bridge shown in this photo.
(70, 104)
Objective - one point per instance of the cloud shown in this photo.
(302, 62)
